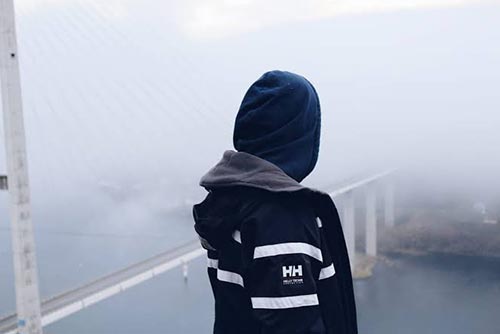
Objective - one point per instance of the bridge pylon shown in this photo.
(23, 241)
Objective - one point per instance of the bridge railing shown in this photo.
(70, 302)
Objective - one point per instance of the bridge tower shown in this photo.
(23, 243)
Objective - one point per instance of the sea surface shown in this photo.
(435, 293)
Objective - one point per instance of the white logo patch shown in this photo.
(292, 275)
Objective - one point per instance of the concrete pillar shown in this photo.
(348, 224)
(389, 203)
(23, 242)
(371, 220)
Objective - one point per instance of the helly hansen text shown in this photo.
(292, 275)
(292, 271)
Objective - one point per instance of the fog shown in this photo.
(127, 104)
(126, 95)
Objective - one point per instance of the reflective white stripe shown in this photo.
(212, 263)
(327, 272)
(224, 275)
(284, 302)
(288, 248)
(319, 222)
(230, 277)
(237, 236)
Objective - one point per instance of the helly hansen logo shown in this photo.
(292, 275)
(292, 271)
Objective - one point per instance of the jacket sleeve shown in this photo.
(282, 260)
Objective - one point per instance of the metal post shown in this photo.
(389, 203)
(348, 224)
(185, 270)
(371, 220)
(23, 243)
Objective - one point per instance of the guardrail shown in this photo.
(67, 303)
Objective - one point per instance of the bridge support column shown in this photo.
(389, 203)
(23, 243)
(371, 220)
(348, 225)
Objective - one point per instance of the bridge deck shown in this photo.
(74, 300)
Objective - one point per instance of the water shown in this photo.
(435, 294)
(71, 256)
(431, 294)
(406, 295)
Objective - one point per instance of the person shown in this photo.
(277, 259)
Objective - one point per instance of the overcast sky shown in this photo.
(132, 92)
(222, 18)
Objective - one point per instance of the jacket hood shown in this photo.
(244, 169)
(216, 216)
(279, 120)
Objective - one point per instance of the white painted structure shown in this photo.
(347, 196)
(23, 243)
(371, 221)
(70, 302)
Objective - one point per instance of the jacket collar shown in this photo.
(244, 169)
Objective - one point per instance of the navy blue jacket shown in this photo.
(277, 260)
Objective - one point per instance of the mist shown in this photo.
(127, 104)
(131, 99)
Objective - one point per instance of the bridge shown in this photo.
(72, 301)
(33, 314)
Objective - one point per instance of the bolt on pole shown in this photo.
(23, 243)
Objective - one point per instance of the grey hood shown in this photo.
(244, 169)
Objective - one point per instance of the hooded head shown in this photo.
(279, 121)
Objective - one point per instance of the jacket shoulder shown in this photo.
(280, 218)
